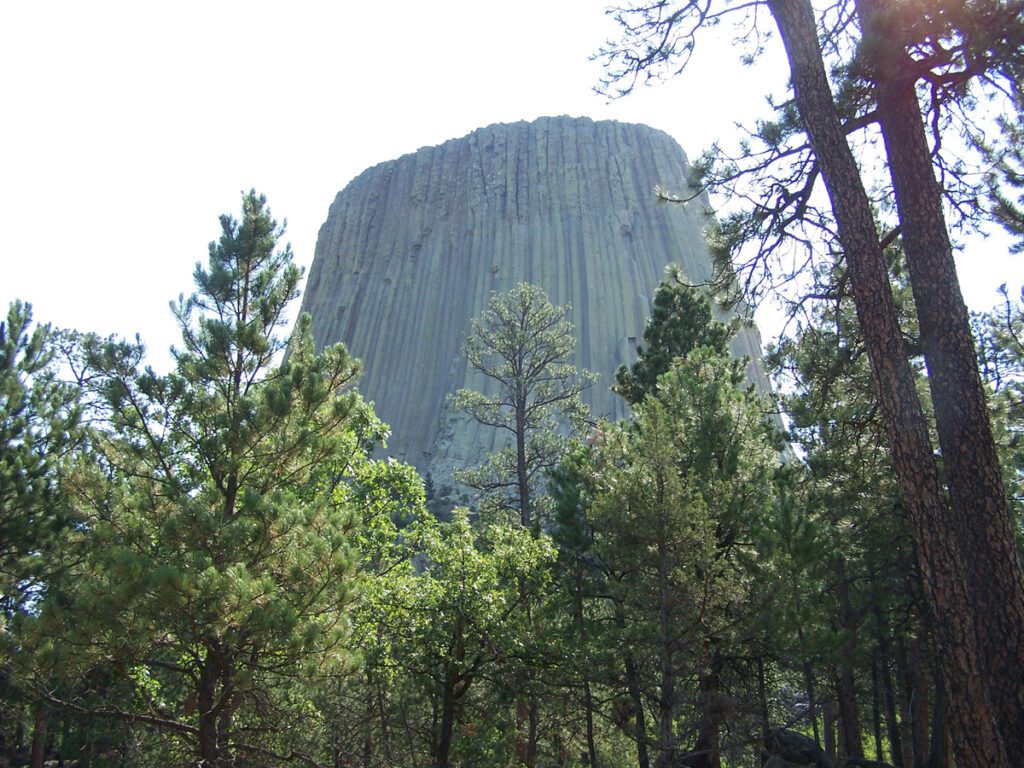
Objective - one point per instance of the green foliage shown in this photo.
(571, 489)
(1006, 181)
(39, 428)
(220, 529)
(684, 481)
(678, 493)
(40, 434)
(1000, 335)
(655, 526)
(680, 321)
(521, 345)
(441, 620)
(838, 549)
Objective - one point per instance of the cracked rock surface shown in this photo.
(413, 249)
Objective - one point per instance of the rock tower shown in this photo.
(413, 249)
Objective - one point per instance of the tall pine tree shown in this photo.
(220, 550)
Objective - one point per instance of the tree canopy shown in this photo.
(680, 321)
(209, 566)
(896, 70)
(220, 559)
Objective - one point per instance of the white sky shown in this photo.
(126, 128)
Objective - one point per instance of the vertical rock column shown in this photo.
(413, 249)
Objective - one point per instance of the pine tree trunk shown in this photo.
(522, 480)
(588, 700)
(837, 713)
(883, 662)
(588, 703)
(812, 700)
(640, 719)
(876, 710)
(891, 722)
(977, 739)
(38, 753)
(828, 724)
(224, 720)
(918, 700)
(846, 691)
(707, 737)
(209, 675)
(666, 714)
(903, 695)
(939, 753)
(667, 687)
(811, 697)
(533, 731)
(970, 461)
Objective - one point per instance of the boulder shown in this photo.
(794, 748)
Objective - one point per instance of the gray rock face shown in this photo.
(413, 249)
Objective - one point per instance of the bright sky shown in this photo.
(128, 127)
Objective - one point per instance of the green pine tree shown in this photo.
(681, 320)
(677, 493)
(39, 428)
(220, 555)
(521, 345)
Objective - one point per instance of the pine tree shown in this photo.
(1006, 182)
(39, 427)
(220, 553)
(40, 431)
(838, 536)
(1000, 335)
(575, 620)
(522, 345)
(970, 568)
(677, 491)
(680, 321)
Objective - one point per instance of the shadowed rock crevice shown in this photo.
(413, 249)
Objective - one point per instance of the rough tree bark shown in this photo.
(209, 744)
(522, 477)
(708, 734)
(828, 722)
(918, 705)
(892, 723)
(666, 691)
(38, 752)
(876, 710)
(640, 719)
(588, 699)
(847, 688)
(973, 477)
(944, 580)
